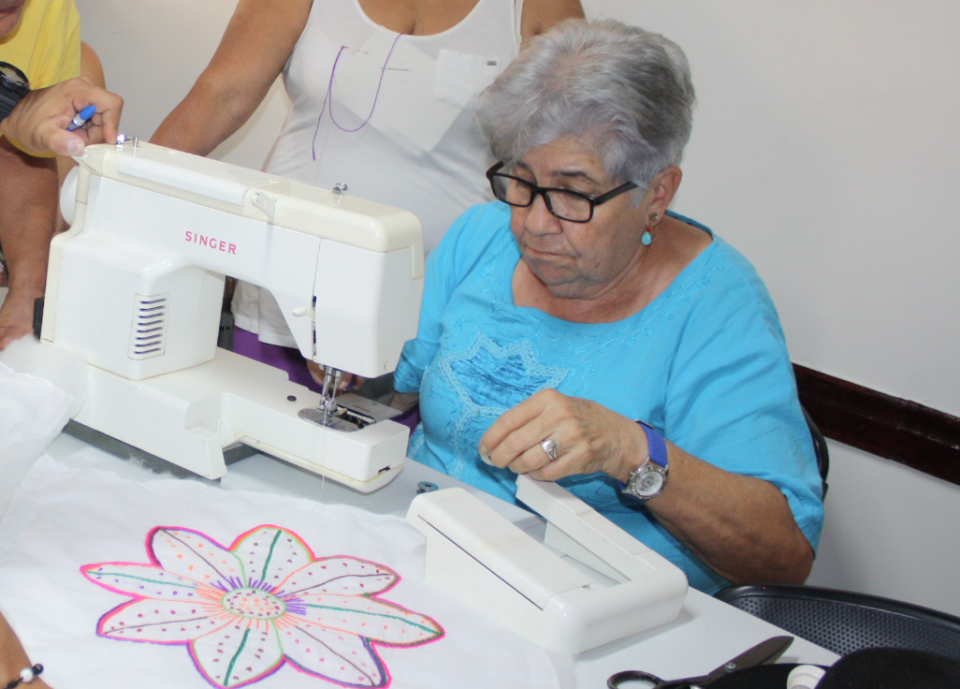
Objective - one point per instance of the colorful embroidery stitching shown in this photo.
(266, 600)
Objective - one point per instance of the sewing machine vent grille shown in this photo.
(149, 335)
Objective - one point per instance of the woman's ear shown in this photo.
(664, 188)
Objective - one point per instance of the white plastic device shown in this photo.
(480, 557)
(136, 286)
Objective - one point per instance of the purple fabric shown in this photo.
(290, 360)
(285, 358)
(410, 418)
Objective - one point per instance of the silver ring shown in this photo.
(549, 446)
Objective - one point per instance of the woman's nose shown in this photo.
(539, 219)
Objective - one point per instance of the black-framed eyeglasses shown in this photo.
(563, 203)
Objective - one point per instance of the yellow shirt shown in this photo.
(46, 43)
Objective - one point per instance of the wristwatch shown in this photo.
(649, 480)
(14, 85)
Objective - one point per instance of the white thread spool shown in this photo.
(805, 677)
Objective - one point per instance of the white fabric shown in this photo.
(422, 149)
(41, 387)
(62, 519)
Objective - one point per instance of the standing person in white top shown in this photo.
(381, 95)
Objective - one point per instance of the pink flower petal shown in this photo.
(373, 618)
(164, 622)
(144, 581)
(194, 556)
(342, 658)
(238, 653)
(269, 554)
(339, 575)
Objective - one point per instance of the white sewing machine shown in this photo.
(136, 285)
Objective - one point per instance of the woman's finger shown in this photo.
(534, 436)
(537, 454)
(507, 437)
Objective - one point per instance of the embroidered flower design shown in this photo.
(245, 610)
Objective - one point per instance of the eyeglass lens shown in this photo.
(565, 205)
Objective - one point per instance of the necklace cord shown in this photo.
(328, 96)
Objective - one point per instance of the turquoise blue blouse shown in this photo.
(705, 363)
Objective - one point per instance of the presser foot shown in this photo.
(349, 413)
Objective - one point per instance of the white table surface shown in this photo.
(707, 633)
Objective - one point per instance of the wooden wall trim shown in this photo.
(886, 426)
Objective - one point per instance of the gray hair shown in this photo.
(627, 89)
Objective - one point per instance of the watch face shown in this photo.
(14, 77)
(649, 483)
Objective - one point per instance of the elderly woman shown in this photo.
(577, 331)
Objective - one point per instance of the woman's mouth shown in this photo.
(13, 8)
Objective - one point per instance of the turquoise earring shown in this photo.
(647, 238)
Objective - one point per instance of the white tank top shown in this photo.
(421, 148)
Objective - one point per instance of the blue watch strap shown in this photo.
(656, 444)
(656, 447)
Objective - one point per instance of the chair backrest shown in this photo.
(844, 622)
(819, 448)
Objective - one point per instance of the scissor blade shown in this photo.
(761, 653)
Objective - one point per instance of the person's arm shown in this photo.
(13, 659)
(39, 121)
(256, 45)
(739, 525)
(540, 15)
(28, 208)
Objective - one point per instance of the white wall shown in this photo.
(825, 147)
(890, 531)
(153, 50)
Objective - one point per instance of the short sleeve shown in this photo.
(732, 398)
(57, 48)
(46, 45)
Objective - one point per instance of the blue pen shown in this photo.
(81, 118)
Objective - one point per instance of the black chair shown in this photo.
(819, 447)
(844, 622)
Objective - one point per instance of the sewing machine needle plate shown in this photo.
(353, 413)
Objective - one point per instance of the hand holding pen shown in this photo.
(81, 118)
(64, 118)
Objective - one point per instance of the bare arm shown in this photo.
(540, 15)
(258, 42)
(28, 208)
(13, 658)
(739, 525)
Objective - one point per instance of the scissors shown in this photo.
(763, 652)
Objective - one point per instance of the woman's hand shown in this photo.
(741, 526)
(588, 438)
